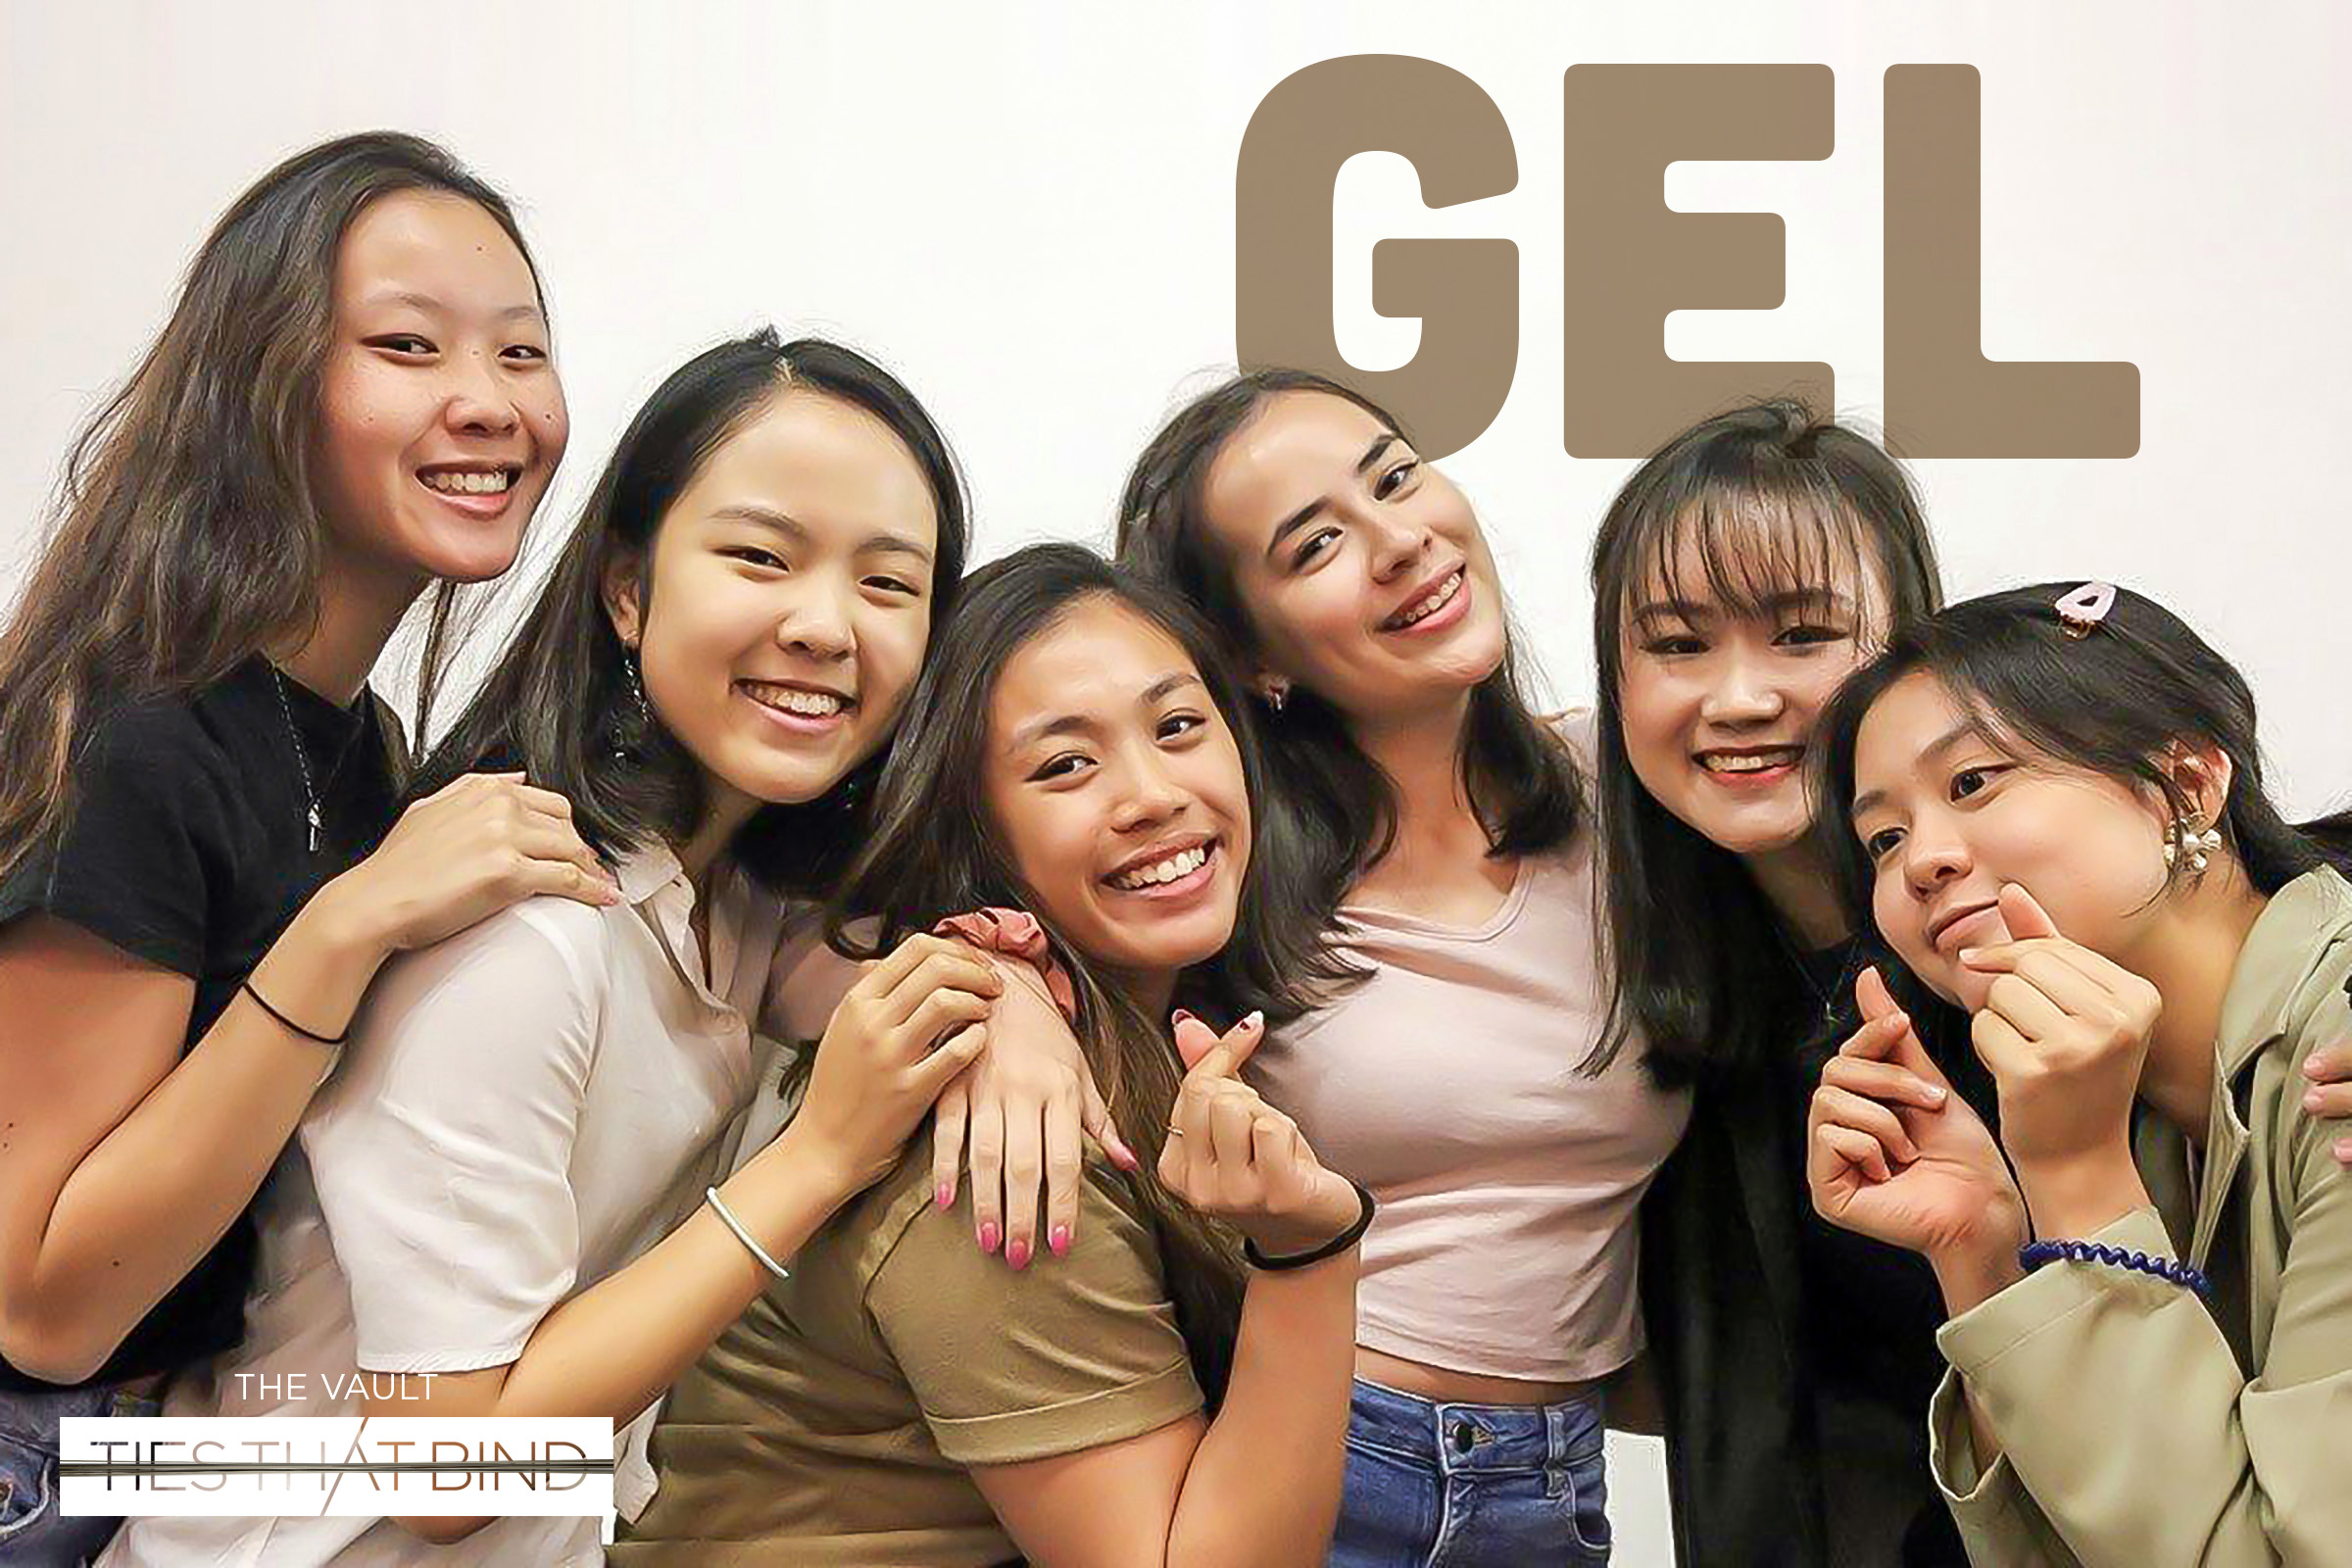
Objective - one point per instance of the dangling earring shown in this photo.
(633, 722)
(1278, 692)
(2183, 836)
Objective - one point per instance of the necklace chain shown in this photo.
(302, 754)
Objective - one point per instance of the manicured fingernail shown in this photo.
(1968, 955)
(1017, 1255)
(1254, 1022)
(990, 1236)
(1059, 1240)
(1181, 1015)
(946, 1196)
(1121, 1154)
(2343, 1151)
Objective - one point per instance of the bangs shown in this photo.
(1750, 550)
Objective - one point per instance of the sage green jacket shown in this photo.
(2141, 1427)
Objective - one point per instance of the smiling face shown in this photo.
(1362, 568)
(1946, 817)
(1118, 791)
(1718, 700)
(441, 415)
(790, 602)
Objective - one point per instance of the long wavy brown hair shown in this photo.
(186, 534)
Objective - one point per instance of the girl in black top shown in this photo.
(201, 859)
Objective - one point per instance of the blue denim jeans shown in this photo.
(32, 1532)
(1449, 1485)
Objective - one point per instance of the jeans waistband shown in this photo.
(1450, 1437)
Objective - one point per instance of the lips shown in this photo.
(1427, 600)
(1961, 926)
(1733, 762)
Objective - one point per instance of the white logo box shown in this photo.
(363, 1466)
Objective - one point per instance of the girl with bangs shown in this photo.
(1742, 576)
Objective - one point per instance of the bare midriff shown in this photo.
(1444, 1386)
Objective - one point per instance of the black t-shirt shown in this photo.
(1871, 1312)
(189, 847)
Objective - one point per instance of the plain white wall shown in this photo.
(1028, 211)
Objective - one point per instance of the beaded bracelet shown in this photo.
(2033, 1255)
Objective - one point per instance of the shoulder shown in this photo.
(1579, 730)
(544, 952)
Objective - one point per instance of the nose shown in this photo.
(1933, 855)
(816, 623)
(1742, 692)
(478, 402)
(1397, 541)
(1148, 795)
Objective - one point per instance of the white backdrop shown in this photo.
(1029, 212)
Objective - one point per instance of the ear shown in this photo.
(2202, 775)
(622, 594)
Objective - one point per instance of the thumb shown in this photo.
(2025, 917)
(1224, 1057)
(1870, 991)
(933, 1074)
(1194, 1039)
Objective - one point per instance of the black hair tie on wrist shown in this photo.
(1332, 1248)
(262, 1002)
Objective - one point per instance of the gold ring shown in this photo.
(1173, 1128)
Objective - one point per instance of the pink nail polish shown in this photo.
(946, 1196)
(1181, 1015)
(990, 1236)
(2343, 1149)
(1255, 1021)
(1059, 1241)
(1017, 1255)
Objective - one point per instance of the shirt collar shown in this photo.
(2287, 943)
(645, 869)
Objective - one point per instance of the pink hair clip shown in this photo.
(2082, 611)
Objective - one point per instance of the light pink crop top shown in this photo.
(1507, 1179)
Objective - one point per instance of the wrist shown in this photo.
(2078, 1197)
(346, 926)
(830, 1176)
(1338, 1217)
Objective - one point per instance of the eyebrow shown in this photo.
(432, 306)
(882, 541)
(1964, 730)
(1306, 513)
(1787, 599)
(1080, 724)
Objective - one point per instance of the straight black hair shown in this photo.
(1770, 498)
(557, 703)
(934, 851)
(1521, 778)
(2116, 703)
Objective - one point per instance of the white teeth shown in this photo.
(1427, 605)
(1183, 863)
(792, 700)
(470, 482)
(1747, 762)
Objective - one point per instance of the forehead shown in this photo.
(827, 464)
(1097, 659)
(1909, 717)
(434, 244)
(1287, 450)
(1739, 553)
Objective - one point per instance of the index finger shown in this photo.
(546, 802)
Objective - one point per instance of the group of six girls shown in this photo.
(1912, 1023)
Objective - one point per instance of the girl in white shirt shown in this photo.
(502, 1188)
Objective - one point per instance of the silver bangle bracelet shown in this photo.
(726, 1217)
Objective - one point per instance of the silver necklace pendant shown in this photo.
(313, 829)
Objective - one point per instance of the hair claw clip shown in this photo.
(2080, 611)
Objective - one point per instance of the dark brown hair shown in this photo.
(556, 702)
(188, 534)
(1521, 778)
(934, 851)
(2114, 703)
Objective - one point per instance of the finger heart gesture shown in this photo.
(1231, 1154)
